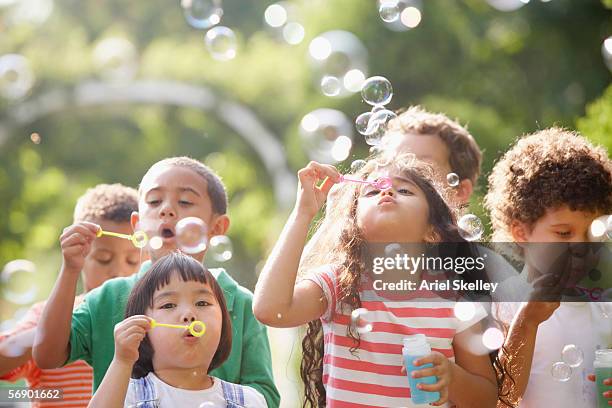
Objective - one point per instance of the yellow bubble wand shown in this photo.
(138, 238)
(192, 327)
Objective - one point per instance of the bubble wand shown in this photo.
(192, 327)
(381, 183)
(138, 238)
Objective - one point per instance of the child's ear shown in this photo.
(463, 191)
(220, 225)
(519, 231)
(134, 218)
(432, 236)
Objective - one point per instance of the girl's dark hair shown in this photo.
(141, 298)
(348, 254)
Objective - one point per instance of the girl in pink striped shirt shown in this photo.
(345, 367)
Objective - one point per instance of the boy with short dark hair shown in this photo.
(171, 190)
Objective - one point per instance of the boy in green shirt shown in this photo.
(172, 189)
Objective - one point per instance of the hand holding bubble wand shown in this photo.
(196, 328)
(138, 238)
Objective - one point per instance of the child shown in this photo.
(172, 189)
(171, 366)
(548, 188)
(440, 141)
(367, 371)
(110, 206)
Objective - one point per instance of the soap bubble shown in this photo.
(357, 165)
(377, 90)
(507, 5)
(561, 371)
(293, 33)
(220, 248)
(470, 227)
(116, 59)
(16, 77)
(221, 43)
(389, 10)
(452, 179)
(361, 123)
(379, 120)
(609, 227)
(326, 135)
(202, 14)
(156, 243)
(330, 85)
(606, 51)
(377, 108)
(359, 321)
(465, 311)
(342, 55)
(207, 404)
(191, 235)
(17, 278)
(275, 15)
(572, 355)
(493, 338)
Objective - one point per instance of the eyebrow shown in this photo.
(169, 293)
(180, 189)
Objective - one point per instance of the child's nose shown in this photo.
(167, 211)
(387, 191)
(188, 317)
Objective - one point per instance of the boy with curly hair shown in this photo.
(548, 188)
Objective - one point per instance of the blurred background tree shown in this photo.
(501, 73)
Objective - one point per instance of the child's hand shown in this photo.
(76, 243)
(442, 369)
(538, 312)
(310, 197)
(128, 335)
(608, 382)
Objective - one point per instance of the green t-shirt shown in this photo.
(249, 363)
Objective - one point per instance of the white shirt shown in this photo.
(170, 397)
(582, 324)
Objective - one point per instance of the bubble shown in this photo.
(17, 278)
(359, 322)
(326, 135)
(572, 355)
(330, 85)
(17, 345)
(221, 248)
(493, 338)
(16, 77)
(293, 33)
(561, 371)
(357, 165)
(470, 227)
(342, 55)
(116, 59)
(609, 227)
(373, 139)
(507, 5)
(202, 14)
(606, 52)
(353, 80)
(598, 229)
(379, 120)
(411, 17)
(389, 10)
(377, 108)
(207, 404)
(393, 249)
(35, 138)
(275, 15)
(191, 235)
(452, 179)
(377, 90)
(465, 311)
(279, 316)
(361, 123)
(156, 243)
(221, 43)
(140, 239)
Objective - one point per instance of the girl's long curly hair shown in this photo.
(340, 242)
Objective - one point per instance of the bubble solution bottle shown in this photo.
(415, 347)
(603, 370)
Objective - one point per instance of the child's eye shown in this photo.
(370, 193)
(183, 202)
(167, 306)
(202, 303)
(564, 234)
(404, 191)
(153, 202)
(104, 261)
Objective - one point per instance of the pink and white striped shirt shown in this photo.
(371, 376)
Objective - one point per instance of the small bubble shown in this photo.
(221, 248)
(572, 355)
(361, 123)
(465, 311)
(389, 10)
(156, 243)
(221, 43)
(377, 90)
(357, 165)
(330, 85)
(561, 371)
(359, 322)
(279, 316)
(140, 239)
(191, 235)
(493, 338)
(35, 138)
(452, 179)
(470, 227)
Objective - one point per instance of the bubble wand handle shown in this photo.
(199, 332)
(113, 234)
